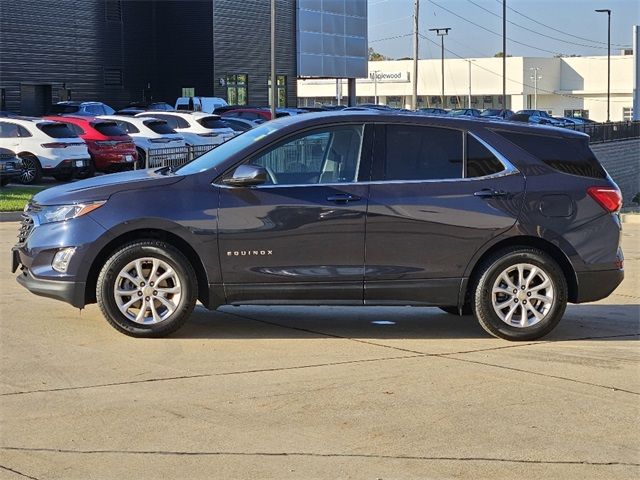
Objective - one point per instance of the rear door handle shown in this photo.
(490, 192)
(343, 198)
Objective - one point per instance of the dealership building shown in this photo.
(562, 86)
(119, 51)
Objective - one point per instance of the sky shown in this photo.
(573, 25)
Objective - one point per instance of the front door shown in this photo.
(431, 207)
(300, 236)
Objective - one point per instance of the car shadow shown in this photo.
(587, 321)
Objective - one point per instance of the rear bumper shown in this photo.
(67, 167)
(597, 285)
(109, 162)
(69, 292)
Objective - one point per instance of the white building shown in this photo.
(565, 86)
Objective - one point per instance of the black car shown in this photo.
(506, 220)
(10, 166)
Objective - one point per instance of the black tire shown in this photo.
(65, 177)
(453, 309)
(487, 275)
(141, 163)
(31, 169)
(154, 249)
(4, 181)
(88, 172)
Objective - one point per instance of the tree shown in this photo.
(375, 56)
(500, 55)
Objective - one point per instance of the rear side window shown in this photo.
(568, 155)
(480, 161)
(422, 153)
(109, 129)
(212, 122)
(57, 130)
(8, 130)
(159, 126)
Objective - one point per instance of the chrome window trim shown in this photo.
(509, 168)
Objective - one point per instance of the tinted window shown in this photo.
(329, 155)
(237, 125)
(109, 129)
(57, 130)
(8, 130)
(57, 109)
(480, 161)
(23, 131)
(171, 120)
(75, 128)
(422, 153)
(159, 126)
(212, 122)
(568, 155)
(94, 109)
(128, 127)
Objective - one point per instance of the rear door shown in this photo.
(437, 195)
(300, 237)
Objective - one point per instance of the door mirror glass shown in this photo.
(247, 176)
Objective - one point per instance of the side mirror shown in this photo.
(247, 176)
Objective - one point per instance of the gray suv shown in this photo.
(504, 220)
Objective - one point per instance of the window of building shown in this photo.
(327, 155)
(113, 76)
(281, 90)
(422, 153)
(480, 161)
(627, 114)
(113, 10)
(577, 113)
(237, 89)
(188, 92)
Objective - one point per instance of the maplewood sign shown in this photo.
(387, 77)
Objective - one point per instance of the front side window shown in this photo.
(422, 153)
(328, 155)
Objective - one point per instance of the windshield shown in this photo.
(219, 154)
(490, 113)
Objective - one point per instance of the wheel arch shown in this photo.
(525, 241)
(147, 233)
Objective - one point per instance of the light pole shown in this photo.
(535, 77)
(414, 93)
(441, 32)
(375, 86)
(469, 102)
(504, 55)
(274, 80)
(608, 12)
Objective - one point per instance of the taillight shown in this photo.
(609, 198)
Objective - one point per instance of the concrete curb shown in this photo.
(10, 216)
(630, 218)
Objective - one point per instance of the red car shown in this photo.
(110, 147)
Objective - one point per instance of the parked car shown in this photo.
(257, 113)
(148, 134)
(140, 107)
(197, 128)
(200, 104)
(80, 108)
(541, 117)
(576, 121)
(285, 212)
(10, 166)
(465, 112)
(46, 148)
(240, 124)
(432, 111)
(496, 113)
(110, 147)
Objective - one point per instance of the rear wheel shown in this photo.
(31, 169)
(147, 289)
(520, 294)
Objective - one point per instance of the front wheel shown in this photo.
(520, 294)
(147, 289)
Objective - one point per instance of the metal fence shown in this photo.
(175, 156)
(609, 132)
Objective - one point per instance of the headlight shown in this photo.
(59, 213)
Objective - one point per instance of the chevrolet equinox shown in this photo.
(503, 220)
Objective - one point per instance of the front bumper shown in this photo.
(68, 291)
(597, 285)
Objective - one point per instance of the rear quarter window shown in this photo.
(109, 129)
(57, 130)
(480, 161)
(567, 155)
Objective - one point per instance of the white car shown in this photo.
(197, 128)
(200, 104)
(151, 134)
(45, 147)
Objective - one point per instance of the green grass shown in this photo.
(13, 198)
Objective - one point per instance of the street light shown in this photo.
(441, 32)
(535, 77)
(608, 12)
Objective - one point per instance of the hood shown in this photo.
(102, 187)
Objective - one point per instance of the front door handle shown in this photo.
(490, 192)
(343, 198)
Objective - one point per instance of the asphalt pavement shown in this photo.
(310, 392)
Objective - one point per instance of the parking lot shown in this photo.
(257, 392)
